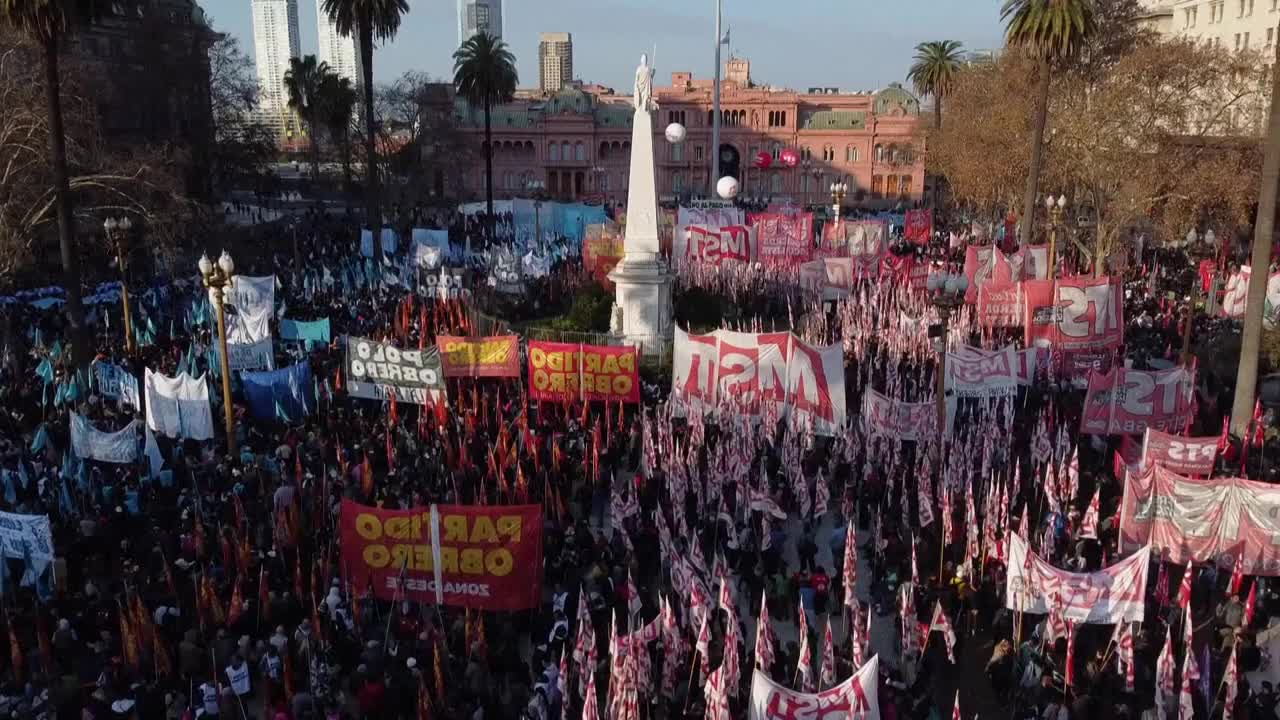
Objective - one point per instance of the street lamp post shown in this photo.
(217, 278)
(838, 191)
(1057, 209)
(536, 187)
(118, 232)
(946, 292)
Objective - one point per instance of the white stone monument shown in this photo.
(642, 279)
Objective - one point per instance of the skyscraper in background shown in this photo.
(275, 40)
(342, 53)
(555, 61)
(477, 16)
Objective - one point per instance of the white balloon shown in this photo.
(727, 187)
(675, 133)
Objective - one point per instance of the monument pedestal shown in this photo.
(642, 278)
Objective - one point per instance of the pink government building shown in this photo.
(577, 142)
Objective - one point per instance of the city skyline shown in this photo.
(878, 40)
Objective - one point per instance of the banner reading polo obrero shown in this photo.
(1185, 455)
(1127, 402)
(559, 371)
(375, 369)
(746, 372)
(485, 557)
(1190, 520)
(1111, 595)
(476, 357)
(853, 699)
(1076, 313)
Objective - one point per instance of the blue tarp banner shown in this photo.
(316, 331)
(284, 394)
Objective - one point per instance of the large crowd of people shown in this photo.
(198, 582)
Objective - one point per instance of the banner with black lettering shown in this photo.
(376, 369)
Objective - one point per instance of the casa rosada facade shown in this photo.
(577, 143)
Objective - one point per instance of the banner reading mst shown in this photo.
(490, 556)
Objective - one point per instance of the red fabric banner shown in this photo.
(489, 557)
(918, 226)
(1125, 401)
(717, 246)
(601, 251)
(559, 371)
(782, 239)
(1183, 455)
(475, 357)
(906, 270)
(1077, 313)
(1000, 304)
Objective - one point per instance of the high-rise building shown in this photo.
(479, 16)
(275, 41)
(555, 61)
(341, 53)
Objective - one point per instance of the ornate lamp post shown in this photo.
(838, 191)
(946, 292)
(118, 233)
(1057, 209)
(217, 278)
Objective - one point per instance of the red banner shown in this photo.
(488, 558)
(905, 270)
(716, 246)
(1000, 304)
(782, 239)
(559, 371)
(918, 226)
(1183, 455)
(1078, 313)
(1124, 401)
(601, 251)
(476, 357)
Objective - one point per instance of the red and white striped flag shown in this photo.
(591, 706)
(1184, 587)
(804, 665)
(1024, 528)
(850, 573)
(1251, 603)
(1164, 671)
(855, 635)
(703, 644)
(955, 711)
(1123, 639)
(822, 495)
(1237, 575)
(716, 692)
(972, 549)
(1233, 685)
(941, 623)
(947, 512)
(672, 649)
(764, 637)
(1073, 475)
(1089, 524)
(1190, 674)
(827, 677)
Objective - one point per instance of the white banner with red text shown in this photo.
(757, 374)
(1074, 313)
(1184, 455)
(853, 698)
(900, 420)
(1111, 595)
(1220, 520)
(716, 246)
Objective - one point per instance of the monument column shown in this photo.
(642, 306)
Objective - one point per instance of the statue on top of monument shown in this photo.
(644, 86)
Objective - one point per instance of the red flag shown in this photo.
(45, 644)
(1184, 587)
(128, 639)
(393, 414)
(1251, 603)
(1232, 680)
(1071, 654)
(942, 624)
(424, 701)
(1237, 575)
(366, 478)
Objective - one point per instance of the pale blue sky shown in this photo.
(851, 44)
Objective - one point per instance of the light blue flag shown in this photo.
(38, 441)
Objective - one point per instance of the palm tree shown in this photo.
(1263, 234)
(934, 71)
(337, 104)
(484, 72)
(1051, 30)
(302, 82)
(48, 22)
(366, 20)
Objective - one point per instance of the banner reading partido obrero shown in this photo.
(484, 557)
(573, 371)
(477, 357)
(376, 369)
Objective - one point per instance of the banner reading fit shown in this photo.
(560, 371)
(1111, 595)
(1219, 520)
(375, 369)
(853, 699)
(1127, 402)
(475, 357)
(747, 372)
(483, 557)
